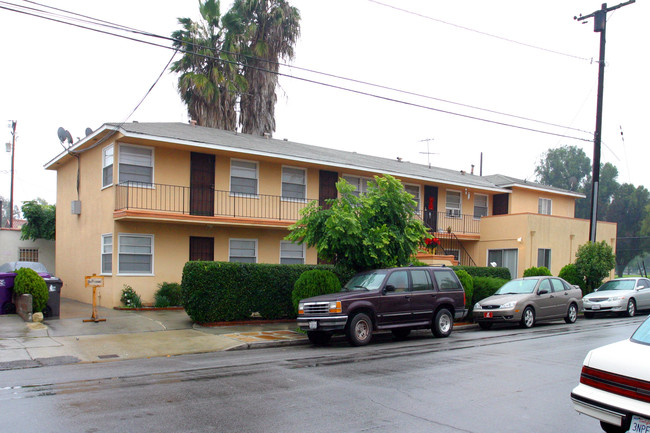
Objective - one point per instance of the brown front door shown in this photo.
(327, 187)
(500, 204)
(431, 207)
(202, 184)
(201, 248)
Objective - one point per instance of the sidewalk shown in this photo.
(125, 335)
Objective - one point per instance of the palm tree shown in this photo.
(207, 85)
(262, 32)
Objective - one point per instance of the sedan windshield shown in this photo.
(642, 334)
(617, 285)
(516, 287)
(366, 281)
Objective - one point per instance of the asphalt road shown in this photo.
(502, 380)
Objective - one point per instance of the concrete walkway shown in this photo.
(126, 335)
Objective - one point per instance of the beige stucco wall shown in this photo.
(527, 200)
(10, 244)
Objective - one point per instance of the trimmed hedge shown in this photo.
(572, 276)
(468, 283)
(485, 271)
(314, 283)
(224, 291)
(486, 286)
(27, 281)
(541, 271)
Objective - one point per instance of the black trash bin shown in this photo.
(53, 307)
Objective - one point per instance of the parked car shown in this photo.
(396, 299)
(7, 275)
(623, 296)
(529, 300)
(615, 384)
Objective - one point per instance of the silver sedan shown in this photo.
(622, 295)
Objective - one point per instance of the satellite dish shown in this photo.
(88, 131)
(64, 135)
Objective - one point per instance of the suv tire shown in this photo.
(359, 331)
(319, 338)
(443, 323)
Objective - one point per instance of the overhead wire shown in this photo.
(112, 25)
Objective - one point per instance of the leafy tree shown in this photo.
(606, 189)
(41, 220)
(566, 167)
(4, 212)
(594, 261)
(374, 230)
(629, 210)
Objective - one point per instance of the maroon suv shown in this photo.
(396, 299)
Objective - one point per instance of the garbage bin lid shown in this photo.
(14, 266)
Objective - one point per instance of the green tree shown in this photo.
(629, 210)
(607, 187)
(374, 230)
(262, 32)
(41, 220)
(4, 212)
(565, 167)
(594, 261)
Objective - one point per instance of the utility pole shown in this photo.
(11, 193)
(600, 25)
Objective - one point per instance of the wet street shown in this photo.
(502, 380)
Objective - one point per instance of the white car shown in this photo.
(615, 384)
(622, 295)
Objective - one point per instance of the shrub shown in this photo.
(168, 295)
(486, 286)
(594, 261)
(130, 298)
(313, 283)
(468, 283)
(572, 276)
(28, 282)
(486, 271)
(537, 272)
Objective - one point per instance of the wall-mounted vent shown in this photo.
(75, 207)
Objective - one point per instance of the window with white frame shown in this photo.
(107, 166)
(453, 204)
(291, 253)
(135, 254)
(480, 205)
(544, 257)
(243, 177)
(28, 254)
(507, 258)
(135, 164)
(359, 183)
(243, 250)
(544, 206)
(107, 254)
(294, 183)
(414, 190)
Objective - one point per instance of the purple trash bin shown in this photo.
(6, 285)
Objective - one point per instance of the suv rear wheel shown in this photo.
(359, 332)
(443, 323)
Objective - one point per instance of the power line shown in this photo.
(99, 22)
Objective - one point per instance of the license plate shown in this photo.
(639, 425)
(313, 324)
(595, 307)
(488, 315)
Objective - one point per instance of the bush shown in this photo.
(168, 295)
(130, 298)
(537, 272)
(313, 283)
(28, 282)
(468, 283)
(594, 261)
(485, 271)
(486, 286)
(572, 276)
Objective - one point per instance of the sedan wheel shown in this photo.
(631, 308)
(359, 331)
(528, 318)
(572, 314)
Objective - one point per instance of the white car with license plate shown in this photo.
(615, 384)
(623, 296)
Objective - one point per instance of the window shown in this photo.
(480, 205)
(421, 280)
(243, 250)
(107, 166)
(201, 248)
(243, 177)
(294, 183)
(558, 286)
(359, 183)
(544, 206)
(414, 190)
(291, 253)
(453, 204)
(399, 280)
(504, 258)
(107, 254)
(136, 164)
(544, 257)
(135, 254)
(28, 254)
(446, 280)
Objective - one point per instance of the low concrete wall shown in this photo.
(24, 306)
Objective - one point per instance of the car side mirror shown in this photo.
(542, 292)
(389, 288)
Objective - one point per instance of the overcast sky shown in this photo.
(525, 58)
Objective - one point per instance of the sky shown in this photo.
(528, 59)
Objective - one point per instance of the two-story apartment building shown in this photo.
(136, 201)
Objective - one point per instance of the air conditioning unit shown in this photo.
(453, 213)
(75, 207)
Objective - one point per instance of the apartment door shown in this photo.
(327, 186)
(500, 204)
(201, 248)
(202, 184)
(431, 207)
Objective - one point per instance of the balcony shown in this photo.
(446, 222)
(154, 201)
